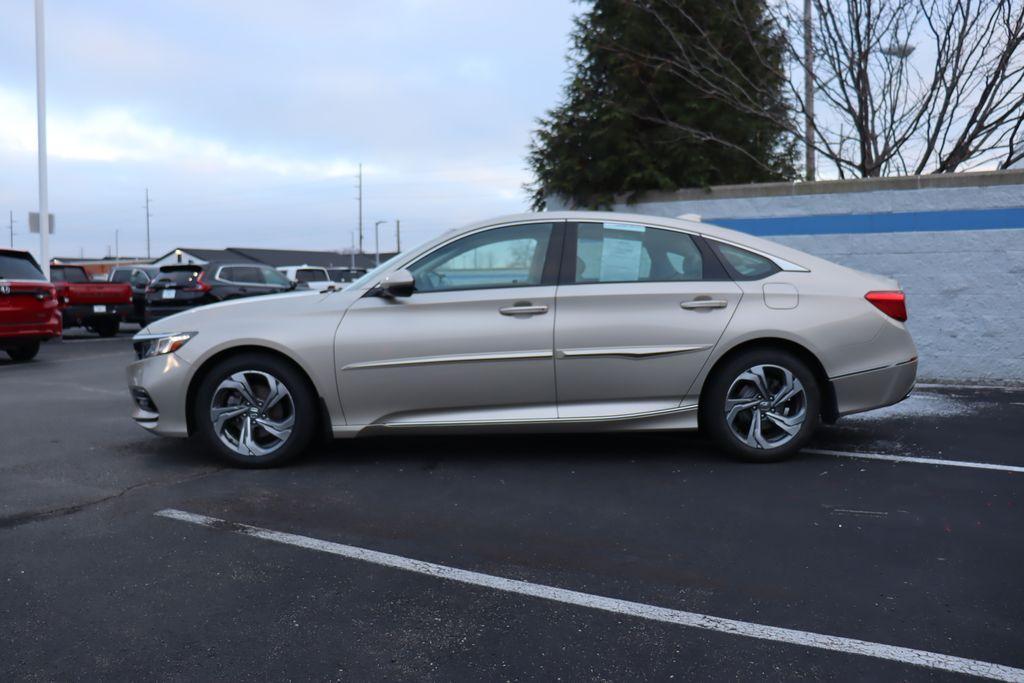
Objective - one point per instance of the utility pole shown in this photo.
(44, 209)
(12, 229)
(148, 254)
(352, 253)
(398, 236)
(117, 246)
(376, 238)
(808, 91)
(359, 199)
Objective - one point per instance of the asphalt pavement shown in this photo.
(688, 565)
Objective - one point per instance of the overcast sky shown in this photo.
(246, 119)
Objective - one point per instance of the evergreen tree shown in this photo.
(628, 124)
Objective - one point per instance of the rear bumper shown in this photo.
(156, 312)
(84, 315)
(874, 388)
(13, 334)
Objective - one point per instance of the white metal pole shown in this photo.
(44, 209)
(808, 92)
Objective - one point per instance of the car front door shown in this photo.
(639, 311)
(473, 343)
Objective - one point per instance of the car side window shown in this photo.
(271, 276)
(246, 275)
(510, 256)
(743, 264)
(139, 278)
(612, 252)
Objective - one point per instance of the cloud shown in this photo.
(112, 135)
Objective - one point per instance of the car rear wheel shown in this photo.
(23, 352)
(762, 405)
(107, 327)
(255, 410)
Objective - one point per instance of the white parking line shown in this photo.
(921, 461)
(905, 655)
(986, 387)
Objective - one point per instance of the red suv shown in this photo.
(29, 312)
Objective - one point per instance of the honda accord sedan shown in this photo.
(572, 321)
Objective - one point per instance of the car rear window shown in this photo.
(177, 277)
(743, 264)
(60, 274)
(310, 275)
(18, 267)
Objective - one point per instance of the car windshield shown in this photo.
(18, 267)
(370, 276)
(311, 275)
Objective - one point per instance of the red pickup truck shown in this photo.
(97, 306)
(29, 310)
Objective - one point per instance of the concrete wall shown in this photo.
(965, 294)
(955, 243)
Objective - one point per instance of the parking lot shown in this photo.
(601, 557)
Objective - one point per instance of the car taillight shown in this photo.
(199, 285)
(893, 304)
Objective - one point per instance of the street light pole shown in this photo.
(808, 92)
(398, 236)
(376, 238)
(44, 209)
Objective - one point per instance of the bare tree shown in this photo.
(901, 86)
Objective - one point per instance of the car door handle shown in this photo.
(523, 309)
(699, 304)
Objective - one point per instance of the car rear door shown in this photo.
(640, 310)
(472, 344)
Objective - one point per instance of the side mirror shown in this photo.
(399, 283)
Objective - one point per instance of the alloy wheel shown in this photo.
(252, 413)
(766, 406)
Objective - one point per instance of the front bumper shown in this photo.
(164, 380)
(874, 388)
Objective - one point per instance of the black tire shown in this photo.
(107, 327)
(713, 417)
(24, 352)
(304, 410)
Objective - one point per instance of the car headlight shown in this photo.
(149, 345)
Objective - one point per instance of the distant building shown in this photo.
(278, 258)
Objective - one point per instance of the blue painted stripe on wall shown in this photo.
(979, 219)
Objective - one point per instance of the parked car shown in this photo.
(345, 274)
(311, 277)
(641, 323)
(181, 287)
(138, 278)
(100, 307)
(29, 309)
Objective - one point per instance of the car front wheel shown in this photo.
(255, 410)
(762, 405)
(23, 352)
